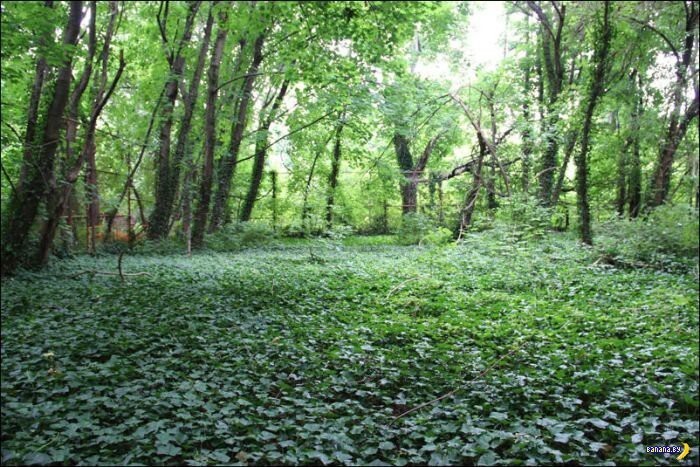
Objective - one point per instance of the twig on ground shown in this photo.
(473, 380)
(119, 265)
(452, 392)
(621, 263)
(119, 272)
(401, 286)
(105, 273)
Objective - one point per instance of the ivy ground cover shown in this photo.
(307, 352)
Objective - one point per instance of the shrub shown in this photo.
(241, 234)
(339, 232)
(439, 236)
(667, 237)
(414, 226)
(166, 246)
(417, 228)
(533, 219)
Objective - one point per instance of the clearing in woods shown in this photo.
(307, 352)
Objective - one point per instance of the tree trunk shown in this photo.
(661, 183)
(128, 183)
(228, 162)
(59, 199)
(621, 195)
(635, 179)
(200, 217)
(187, 210)
(622, 163)
(527, 137)
(71, 131)
(568, 151)
(405, 160)
(472, 195)
(305, 211)
(549, 160)
(678, 125)
(333, 177)
(492, 203)
(273, 180)
(550, 40)
(491, 180)
(93, 209)
(261, 147)
(549, 155)
(32, 186)
(596, 89)
(441, 211)
(635, 164)
(160, 218)
(527, 130)
(409, 184)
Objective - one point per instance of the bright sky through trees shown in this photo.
(481, 46)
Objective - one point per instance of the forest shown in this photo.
(350, 232)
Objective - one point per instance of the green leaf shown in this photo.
(598, 423)
(387, 446)
(488, 458)
(168, 449)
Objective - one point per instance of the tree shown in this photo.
(333, 177)
(230, 159)
(159, 225)
(164, 190)
(209, 137)
(551, 37)
(40, 155)
(679, 121)
(595, 91)
(59, 195)
(261, 147)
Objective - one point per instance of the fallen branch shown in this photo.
(401, 286)
(482, 373)
(621, 263)
(119, 272)
(452, 392)
(105, 273)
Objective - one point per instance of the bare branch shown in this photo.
(542, 17)
(9, 180)
(674, 50)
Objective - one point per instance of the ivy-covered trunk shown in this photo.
(261, 147)
(470, 200)
(550, 45)
(200, 216)
(409, 187)
(333, 177)
(32, 187)
(596, 89)
(678, 124)
(163, 208)
(634, 191)
(568, 151)
(158, 221)
(230, 159)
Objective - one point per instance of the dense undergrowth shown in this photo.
(305, 352)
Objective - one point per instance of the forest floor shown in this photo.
(307, 351)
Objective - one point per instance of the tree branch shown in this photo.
(659, 33)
